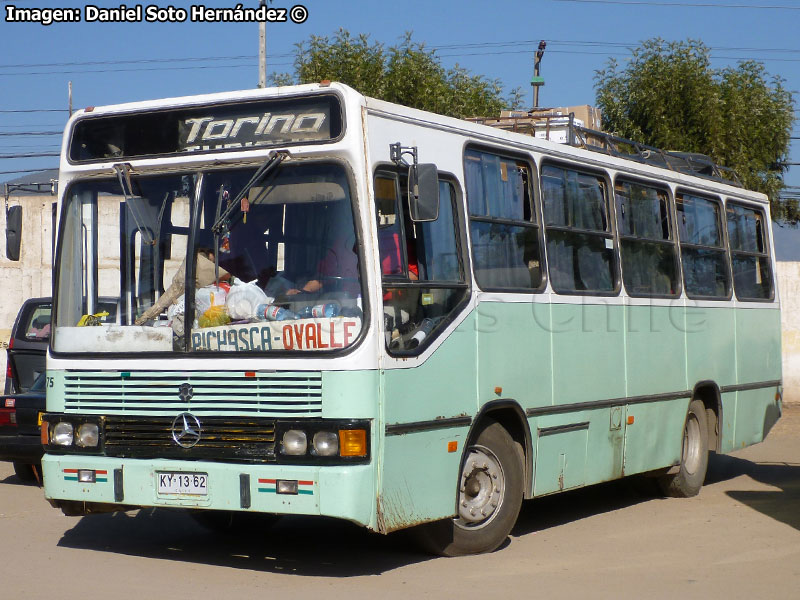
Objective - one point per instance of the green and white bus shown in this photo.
(332, 305)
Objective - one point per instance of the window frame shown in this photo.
(767, 248)
(724, 248)
(673, 241)
(611, 218)
(395, 282)
(536, 214)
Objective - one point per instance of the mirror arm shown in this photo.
(396, 152)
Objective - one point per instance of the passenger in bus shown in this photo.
(337, 271)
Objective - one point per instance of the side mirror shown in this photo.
(13, 232)
(423, 192)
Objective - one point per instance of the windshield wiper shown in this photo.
(273, 161)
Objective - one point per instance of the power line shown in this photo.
(31, 133)
(89, 72)
(28, 170)
(473, 45)
(36, 110)
(30, 155)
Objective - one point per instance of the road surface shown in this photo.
(740, 538)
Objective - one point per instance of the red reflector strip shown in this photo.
(249, 373)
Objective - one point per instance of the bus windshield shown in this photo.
(280, 272)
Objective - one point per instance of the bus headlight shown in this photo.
(63, 434)
(326, 443)
(294, 443)
(88, 435)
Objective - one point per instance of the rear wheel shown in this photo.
(694, 456)
(489, 498)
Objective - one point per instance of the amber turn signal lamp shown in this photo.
(630, 420)
(452, 446)
(352, 442)
(44, 436)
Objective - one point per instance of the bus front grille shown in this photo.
(216, 438)
(210, 393)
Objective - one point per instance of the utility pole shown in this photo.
(537, 80)
(262, 49)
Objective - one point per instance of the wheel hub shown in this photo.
(481, 490)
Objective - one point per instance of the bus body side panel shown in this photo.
(514, 353)
(588, 341)
(419, 473)
(655, 358)
(711, 356)
(758, 360)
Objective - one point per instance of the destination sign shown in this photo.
(303, 334)
(210, 128)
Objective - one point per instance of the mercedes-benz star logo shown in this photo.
(186, 430)
(185, 392)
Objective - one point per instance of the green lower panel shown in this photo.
(756, 413)
(344, 492)
(655, 437)
(561, 459)
(420, 477)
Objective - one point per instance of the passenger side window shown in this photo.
(752, 275)
(703, 256)
(503, 224)
(580, 244)
(423, 274)
(647, 246)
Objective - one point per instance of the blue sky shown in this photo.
(137, 61)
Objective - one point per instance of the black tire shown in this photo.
(25, 472)
(233, 522)
(486, 512)
(694, 456)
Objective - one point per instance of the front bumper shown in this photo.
(341, 491)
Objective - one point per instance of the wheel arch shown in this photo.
(707, 391)
(508, 413)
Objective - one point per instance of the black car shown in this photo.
(30, 336)
(20, 441)
(27, 347)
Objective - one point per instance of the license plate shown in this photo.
(180, 482)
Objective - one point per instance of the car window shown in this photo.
(37, 327)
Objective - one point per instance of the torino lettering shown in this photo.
(210, 129)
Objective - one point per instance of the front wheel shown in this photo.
(694, 456)
(489, 498)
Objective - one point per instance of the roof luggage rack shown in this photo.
(689, 163)
(562, 128)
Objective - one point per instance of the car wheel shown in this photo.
(25, 472)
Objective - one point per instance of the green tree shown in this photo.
(408, 73)
(669, 96)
